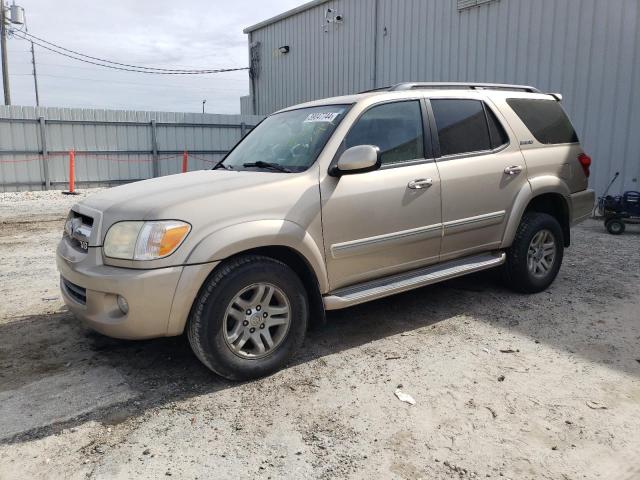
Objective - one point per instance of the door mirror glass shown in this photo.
(359, 159)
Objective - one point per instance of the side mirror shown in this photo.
(359, 159)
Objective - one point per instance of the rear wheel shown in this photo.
(615, 226)
(249, 318)
(534, 259)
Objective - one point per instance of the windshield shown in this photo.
(288, 141)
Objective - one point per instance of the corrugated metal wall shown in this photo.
(112, 146)
(245, 104)
(323, 61)
(589, 50)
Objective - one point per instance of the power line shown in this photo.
(116, 65)
(84, 68)
(60, 64)
(42, 52)
(31, 36)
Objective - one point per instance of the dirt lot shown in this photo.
(507, 386)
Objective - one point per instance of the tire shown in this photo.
(615, 226)
(220, 313)
(533, 273)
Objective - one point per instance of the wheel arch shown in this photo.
(294, 260)
(546, 194)
(277, 235)
(281, 240)
(556, 205)
(300, 265)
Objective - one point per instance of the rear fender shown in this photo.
(535, 187)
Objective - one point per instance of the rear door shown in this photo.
(481, 171)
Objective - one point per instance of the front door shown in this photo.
(481, 170)
(389, 220)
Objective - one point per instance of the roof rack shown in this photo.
(379, 89)
(462, 85)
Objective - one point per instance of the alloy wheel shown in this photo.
(542, 253)
(257, 320)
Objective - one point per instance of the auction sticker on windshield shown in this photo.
(321, 117)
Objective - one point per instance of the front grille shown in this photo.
(86, 220)
(76, 292)
(77, 229)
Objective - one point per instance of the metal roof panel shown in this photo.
(282, 16)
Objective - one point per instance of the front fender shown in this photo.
(535, 187)
(241, 237)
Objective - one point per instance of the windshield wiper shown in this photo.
(268, 165)
(220, 164)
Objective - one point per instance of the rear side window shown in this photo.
(498, 136)
(396, 128)
(545, 119)
(462, 126)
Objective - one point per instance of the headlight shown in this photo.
(145, 240)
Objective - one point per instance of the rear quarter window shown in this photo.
(545, 119)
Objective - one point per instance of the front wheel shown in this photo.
(534, 259)
(249, 318)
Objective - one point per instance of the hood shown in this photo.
(138, 200)
(208, 198)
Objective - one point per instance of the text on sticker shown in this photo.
(321, 117)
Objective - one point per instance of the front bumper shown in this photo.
(159, 299)
(582, 204)
(90, 290)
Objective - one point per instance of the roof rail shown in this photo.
(379, 89)
(462, 85)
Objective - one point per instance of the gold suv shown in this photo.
(326, 205)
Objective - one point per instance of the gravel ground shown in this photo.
(506, 386)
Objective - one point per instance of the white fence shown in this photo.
(111, 146)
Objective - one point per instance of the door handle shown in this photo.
(420, 183)
(513, 170)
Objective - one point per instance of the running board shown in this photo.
(372, 290)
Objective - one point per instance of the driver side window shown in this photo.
(395, 128)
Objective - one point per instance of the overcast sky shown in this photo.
(158, 33)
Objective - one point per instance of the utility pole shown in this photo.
(17, 17)
(33, 59)
(3, 48)
(35, 74)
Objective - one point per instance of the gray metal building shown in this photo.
(589, 50)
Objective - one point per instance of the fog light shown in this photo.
(123, 304)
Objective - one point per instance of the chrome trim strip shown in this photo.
(356, 247)
(488, 218)
(384, 287)
(479, 153)
(407, 163)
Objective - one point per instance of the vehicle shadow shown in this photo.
(157, 372)
(597, 226)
